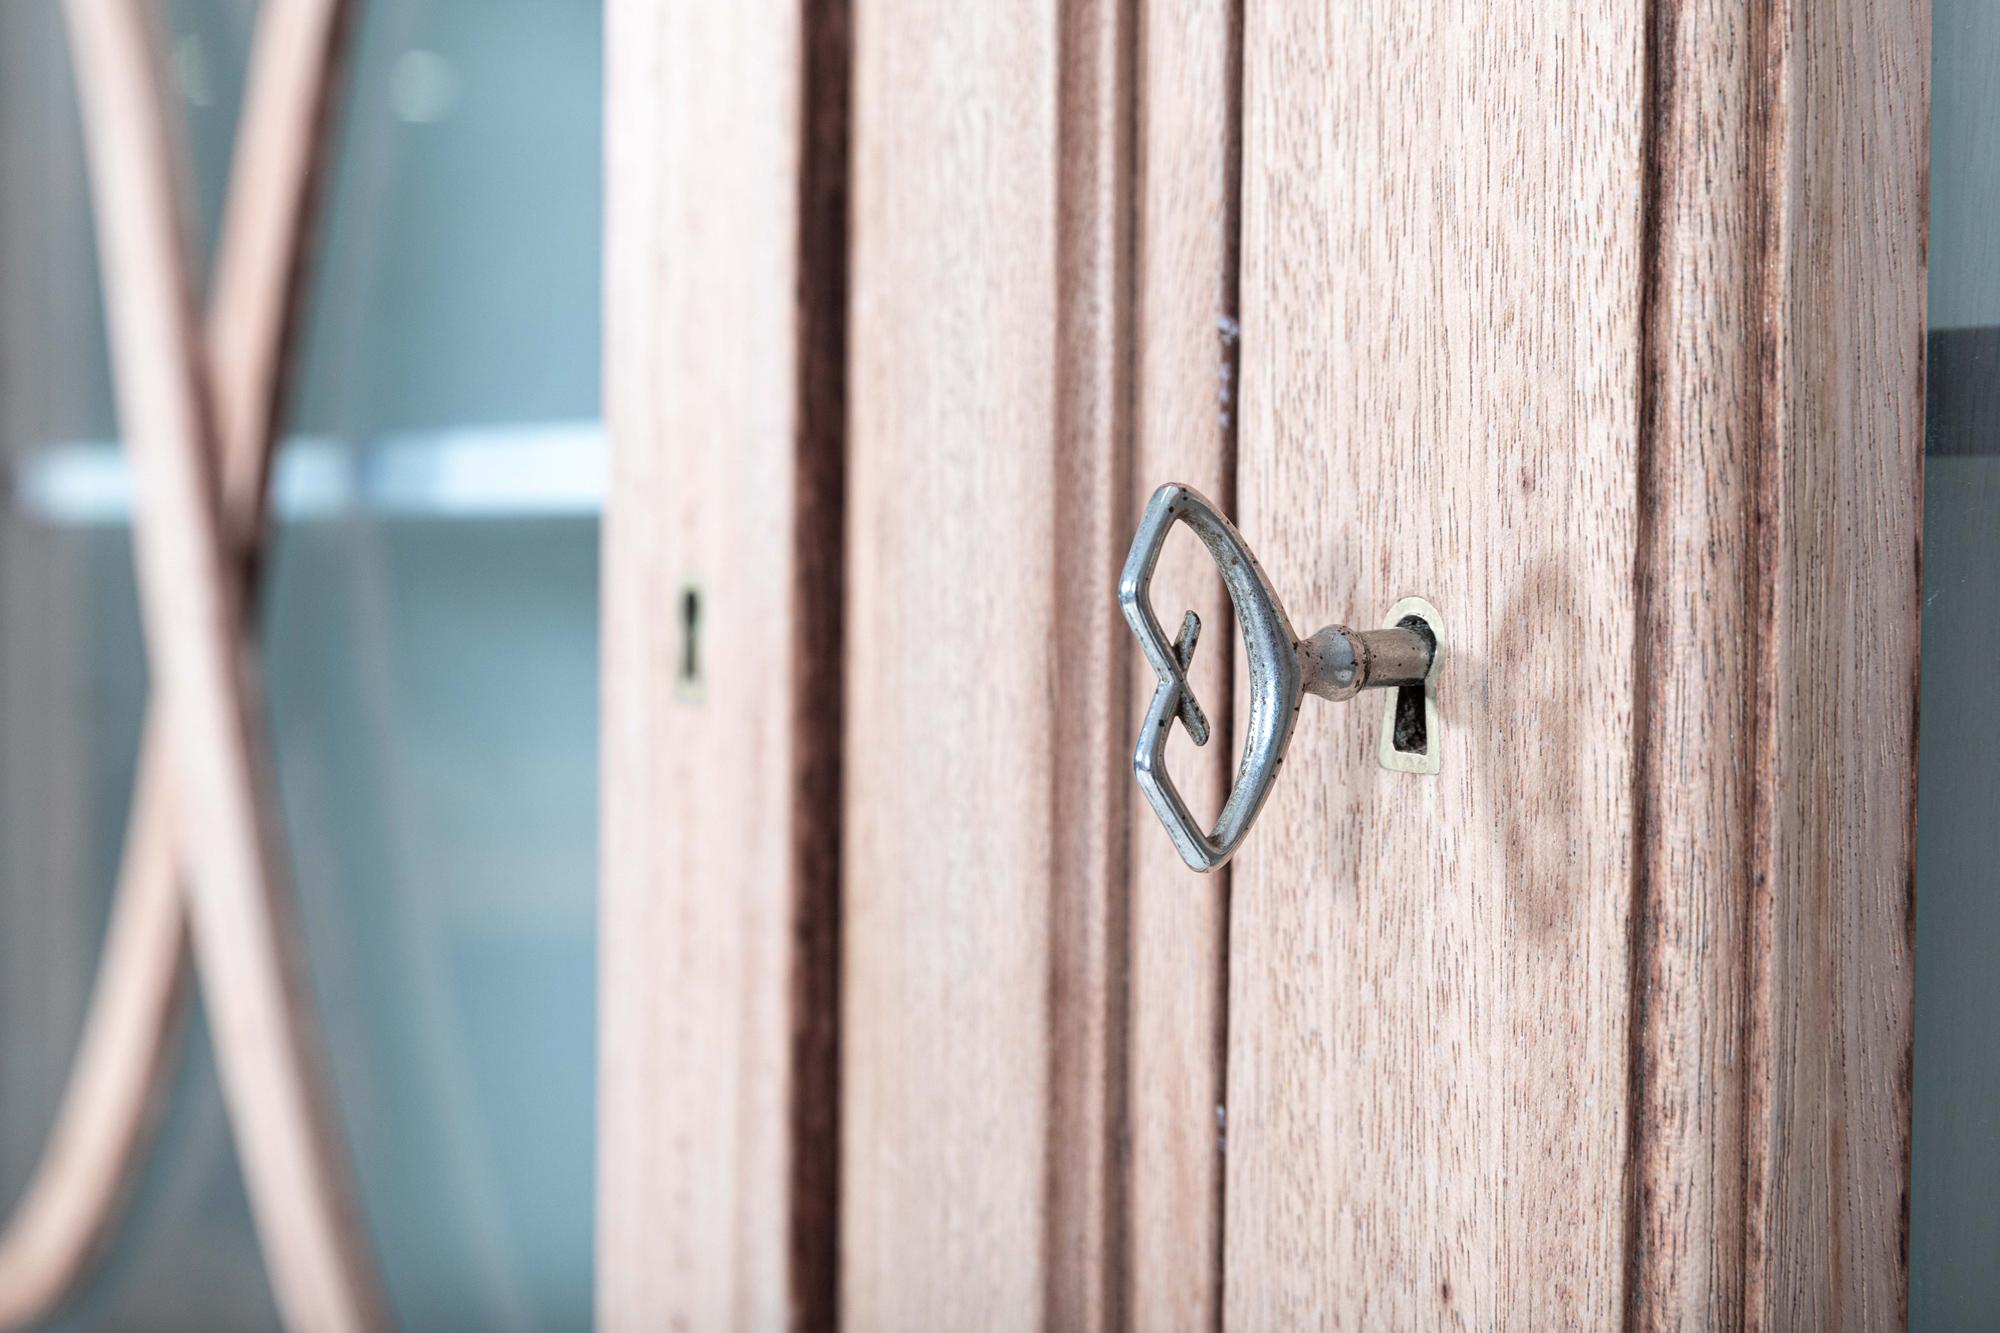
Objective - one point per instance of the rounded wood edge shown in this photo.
(103, 1122)
(245, 931)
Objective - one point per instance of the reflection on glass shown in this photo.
(430, 640)
(1955, 1148)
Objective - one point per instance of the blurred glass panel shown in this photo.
(432, 641)
(459, 283)
(72, 692)
(1955, 1135)
(430, 635)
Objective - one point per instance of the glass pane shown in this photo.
(1955, 1150)
(430, 638)
(72, 691)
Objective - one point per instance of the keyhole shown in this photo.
(1412, 726)
(688, 682)
(1411, 734)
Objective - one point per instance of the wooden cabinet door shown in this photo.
(1597, 325)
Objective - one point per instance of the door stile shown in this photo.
(725, 275)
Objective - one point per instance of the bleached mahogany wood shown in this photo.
(1084, 1228)
(1429, 975)
(1828, 1047)
(1704, 658)
(1702, 684)
(1783, 373)
(101, 1126)
(724, 286)
(989, 489)
(245, 937)
(1425, 1078)
(1185, 187)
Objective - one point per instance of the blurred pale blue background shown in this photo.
(431, 640)
(1955, 1135)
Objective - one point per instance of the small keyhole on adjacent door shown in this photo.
(688, 682)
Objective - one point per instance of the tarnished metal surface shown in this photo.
(1336, 663)
(1339, 662)
(1276, 679)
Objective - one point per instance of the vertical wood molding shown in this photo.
(1089, 904)
(240, 907)
(724, 376)
(1702, 664)
(1185, 320)
(983, 1083)
(818, 691)
(1834, 918)
(1784, 372)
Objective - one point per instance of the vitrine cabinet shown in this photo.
(1600, 327)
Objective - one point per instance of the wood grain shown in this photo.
(1639, 406)
(725, 307)
(102, 1124)
(1828, 1109)
(1185, 194)
(1784, 374)
(984, 977)
(1428, 976)
(245, 934)
(1702, 666)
